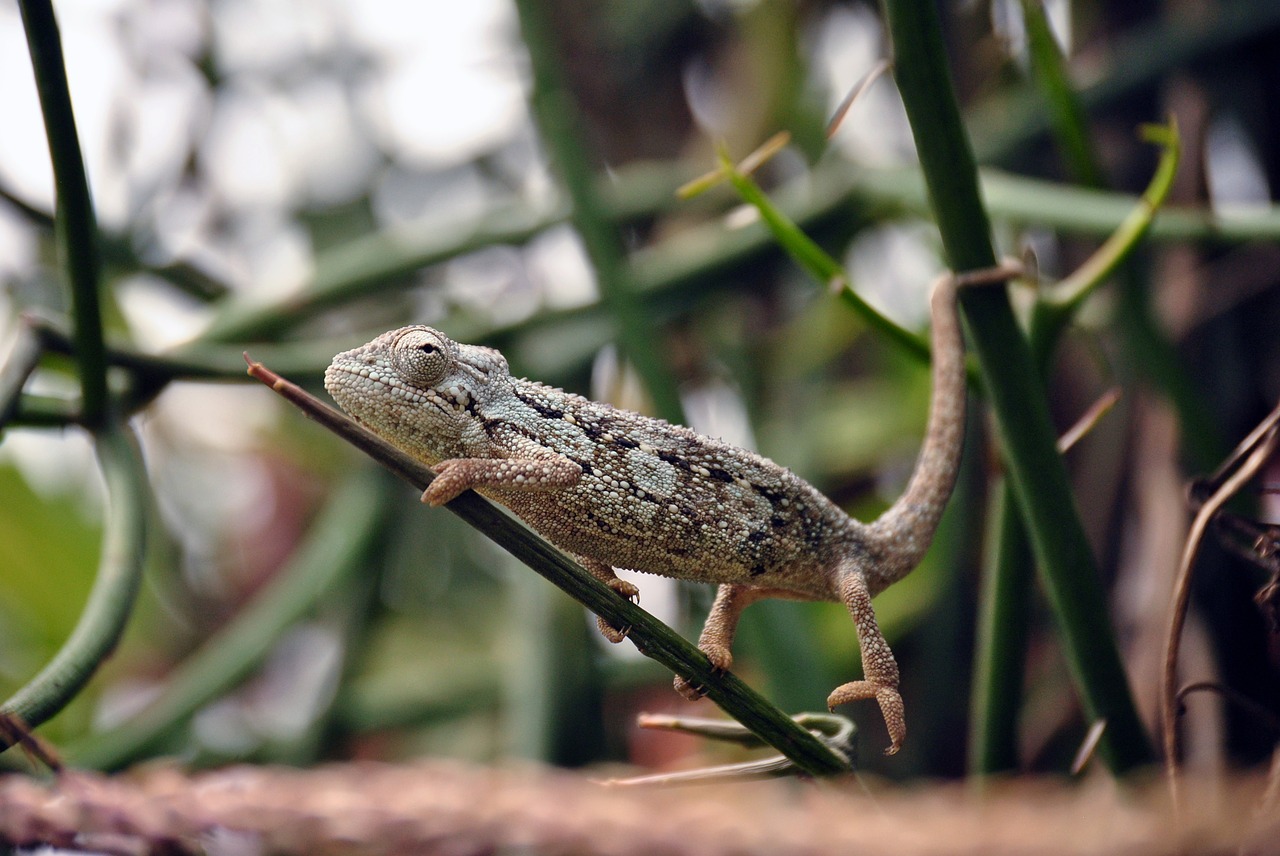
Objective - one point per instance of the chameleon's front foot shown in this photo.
(891, 707)
(721, 659)
(456, 475)
(626, 590)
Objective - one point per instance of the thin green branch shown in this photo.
(1003, 630)
(373, 263)
(114, 591)
(697, 258)
(1065, 208)
(77, 228)
(1076, 288)
(816, 261)
(1017, 396)
(1006, 591)
(653, 638)
(340, 536)
(45, 411)
(200, 360)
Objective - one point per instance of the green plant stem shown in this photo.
(114, 590)
(340, 536)
(76, 227)
(1005, 600)
(1011, 123)
(1017, 396)
(818, 263)
(561, 125)
(699, 257)
(1003, 631)
(653, 638)
(1067, 209)
(365, 265)
(1066, 113)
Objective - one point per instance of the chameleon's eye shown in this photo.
(422, 356)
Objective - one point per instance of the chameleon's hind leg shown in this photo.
(722, 623)
(879, 668)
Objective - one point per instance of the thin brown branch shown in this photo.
(1258, 447)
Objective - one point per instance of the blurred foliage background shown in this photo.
(292, 178)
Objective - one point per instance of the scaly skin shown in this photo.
(622, 490)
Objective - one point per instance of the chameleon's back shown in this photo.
(664, 499)
(652, 497)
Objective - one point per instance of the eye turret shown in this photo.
(422, 356)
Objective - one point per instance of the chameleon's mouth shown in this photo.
(354, 384)
(349, 381)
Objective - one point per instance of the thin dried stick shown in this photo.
(1265, 442)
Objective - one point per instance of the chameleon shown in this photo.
(617, 489)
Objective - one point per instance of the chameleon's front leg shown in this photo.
(603, 571)
(456, 475)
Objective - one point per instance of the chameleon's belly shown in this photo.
(690, 535)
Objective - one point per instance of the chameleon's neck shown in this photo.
(903, 533)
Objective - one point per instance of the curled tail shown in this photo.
(903, 533)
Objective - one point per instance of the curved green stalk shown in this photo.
(76, 227)
(1076, 288)
(1036, 470)
(338, 538)
(114, 591)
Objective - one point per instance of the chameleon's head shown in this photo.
(416, 387)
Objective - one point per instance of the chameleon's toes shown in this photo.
(608, 631)
(450, 481)
(891, 707)
(721, 659)
(625, 589)
(720, 656)
(689, 689)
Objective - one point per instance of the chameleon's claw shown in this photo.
(608, 631)
(688, 689)
(721, 660)
(451, 480)
(625, 589)
(891, 707)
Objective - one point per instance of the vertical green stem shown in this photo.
(1035, 468)
(1003, 628)
(1065, 110)
(561, 125)
(76, 227)
(114, 591)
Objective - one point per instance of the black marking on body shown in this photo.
(545, 410)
